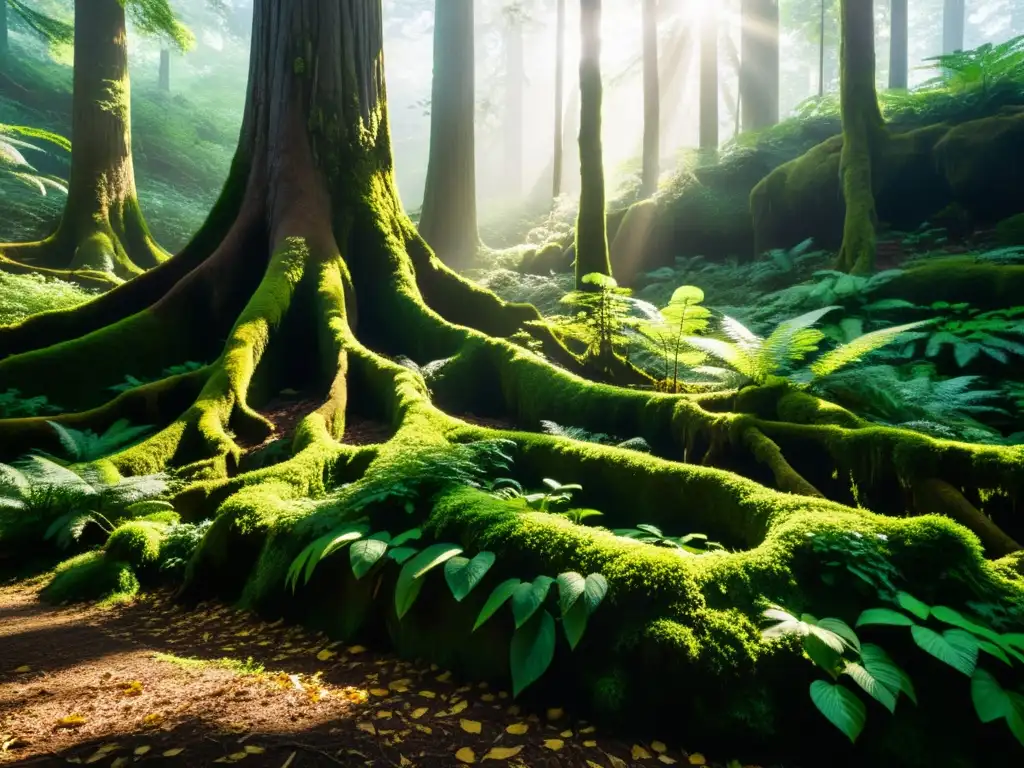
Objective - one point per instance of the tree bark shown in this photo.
(709, 78)
(898, 45)
(863, 129)
(953, 16)
(165, 70)
(557, 162)
(102, 229)
(821, 51)
(652, 104)
(591, 225)
(448, 220)
(759, 64)
(514, 85)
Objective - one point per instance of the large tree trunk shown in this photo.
(557, 161)
(863, 129)
(898, 44)
(759, 64)
(821, 50)
(165, 70)
(515, 77)
(709, 78)
(591, 225)
(953, 17)
(652, 103)
(102, 229)
(448, 220)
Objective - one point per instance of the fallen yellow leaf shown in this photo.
(698, 759)
(566, 734)
(403, 760)
(460, 707)
(517, 729)
(325, 655)
(666, 760)
(252, 749)
(589, 744)
(616, 762)
(23, 669)
(356, 649)
(418, 713)
(502, 753)
(74, 720)
(174, 752)
(384, 714)
(379, 691)
(554, 744)
(588, 729)
(659, 747)
(367, 727)
(423, 728)
(236, 756)
(153, 720)
(592, 764)
(428, 694)
(555, 713)
(465, 755)
(639, 753)
(470, 726)
(139, 751)
(287, 763)
(444, 677)
(119, 762)
(134, 688)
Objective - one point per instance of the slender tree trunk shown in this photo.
(4, 39)
(556, 187)
(898, 45)
(514, 86)
(652, 104)
(821, 52)
(709, 79)
(591, 226)
(165, 70)
(102, 228)
(759, 67)
(1017, 18)
(863, 129)
(953, 16)
(448, 220)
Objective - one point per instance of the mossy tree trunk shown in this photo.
(557, 160)
(308, 275)
(759, 64)
(591, 225)
(709, 78)
(448, 219)
(515, 82)
(821, 50)
(863, 129)
(652, 101)
(953, 18)
(899, 26)
(164, 82)
(102, 230)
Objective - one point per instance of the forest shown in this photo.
(590, 383)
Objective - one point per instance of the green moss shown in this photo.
(1010, 231)
(136, 543)
(90, 576)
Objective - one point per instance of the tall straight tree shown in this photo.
(759, 63)
(863, 130)
(898, 44)
(51, 30)
(821, 50)
(709, 77)
(558, 161)
(953, 18)
(591, 224)
(652, 101)
(164, 81)
(515, 85)
(448, 219)
(102, 230)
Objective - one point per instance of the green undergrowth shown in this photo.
(24, 295)
(247, 668)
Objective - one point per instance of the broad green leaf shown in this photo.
(871, 685)
(594, 591)
(1015, 718)
(877, 662)
(687, 294)
(528, 597)
(532, 651)
(497, 598)
(994, 650)
(338, 542)
(842, 629)
(956, 619)
(570, 589)
(574, 623)
(410, 579)
(401, 554)
(958, 654)
(990, 700)
(366, 553)
(885, 616)
(413, 534)
(911, 604)
(822, 654)
(463, 574)
(841, 707)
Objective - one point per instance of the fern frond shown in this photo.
(730, 354)
(841, 356)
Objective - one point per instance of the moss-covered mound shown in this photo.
(91, 576)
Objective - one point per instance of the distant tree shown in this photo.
(515, 86)
(953, 17)
(652, 102)
(591, 224)
(709, 77)
(759, 63)
(102, 229)
(17, 13)
(448, 220)
(863, 129)
(557, 162)
(164, 82)
(898, 44)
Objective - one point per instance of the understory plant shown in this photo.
(665, 331)
(14, 405)
(133, 382)
(578, 433)
(84, 445)
(692, 543)
(600, 318)
(970, 333)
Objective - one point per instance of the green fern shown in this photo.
(858, 348)
(665, 332)
(85, 445)
(14, 406)
(14, 164)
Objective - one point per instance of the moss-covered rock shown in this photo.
(1010, 231)
(137, 543)
(90, 576)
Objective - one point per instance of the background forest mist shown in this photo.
(515, 52)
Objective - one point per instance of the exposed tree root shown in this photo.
(934, 495)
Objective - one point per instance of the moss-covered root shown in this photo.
(768, 453)
(935, 495)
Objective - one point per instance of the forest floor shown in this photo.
(149, 682)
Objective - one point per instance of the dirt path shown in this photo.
(114, 687)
